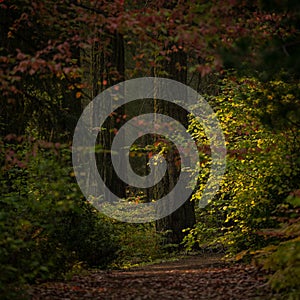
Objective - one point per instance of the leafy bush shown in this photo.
(250, 215)
(140, 243)
(282, 256)
(263, 165)
(46, 226)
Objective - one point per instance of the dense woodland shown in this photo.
(56, 56)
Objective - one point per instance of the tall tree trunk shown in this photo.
(103, 67)
(117, 63)
(183, 217)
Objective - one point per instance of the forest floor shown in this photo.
(193, 277)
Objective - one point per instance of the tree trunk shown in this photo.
(183, 217)
(115, 61)
(104, 67)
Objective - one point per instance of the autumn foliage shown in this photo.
(56, 56)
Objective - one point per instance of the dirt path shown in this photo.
(190, 278)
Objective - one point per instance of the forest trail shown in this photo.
(194, 277)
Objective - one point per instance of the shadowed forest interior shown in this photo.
(57, 56)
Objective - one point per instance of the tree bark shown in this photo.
(116, 62)
(104, 67)
(183, 217)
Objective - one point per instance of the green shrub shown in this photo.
(263, 165)
(46, 226)
(140, 243)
